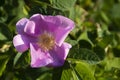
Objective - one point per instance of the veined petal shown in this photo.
(38, 57)
(21, 25)
(21, 43)
(59, 54)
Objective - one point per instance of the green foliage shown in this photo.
(95, 52)
(3, 62)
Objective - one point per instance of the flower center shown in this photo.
(46, 41)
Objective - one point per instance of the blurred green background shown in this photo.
(95, 52)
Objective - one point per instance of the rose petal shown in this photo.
(64, 29)
(30, 28)
(21, 43)
(52, 23)
(59, 26)
(39, 23)
(59, 54)
(21, 24)
(38, 57)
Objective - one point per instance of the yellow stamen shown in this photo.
(46, 41)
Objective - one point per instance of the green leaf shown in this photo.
(18, 55)
(105, 17)
(69, 73)
(85, 71)
(45, 76)
(100, 52)
(114, 62)
(84, 54)
(106, 40)
(115, 11)
(66, 72)
(77, 70)
(72, 42)
(5, 33)
(2, 37)
(84, 36)
(63, 4)
(22, 60)
(3, 62)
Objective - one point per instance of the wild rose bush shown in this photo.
(59, 40)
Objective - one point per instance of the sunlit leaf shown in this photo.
(85, 71)
(114, 62)
(68, 73)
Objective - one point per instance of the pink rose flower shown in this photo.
(44, 36)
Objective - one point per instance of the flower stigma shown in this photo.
(46, 41)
